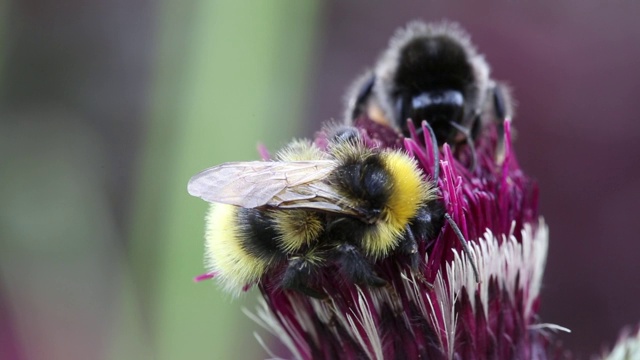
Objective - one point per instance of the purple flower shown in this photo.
(442, 310)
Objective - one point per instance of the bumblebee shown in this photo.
(433, 73)
(310, 209)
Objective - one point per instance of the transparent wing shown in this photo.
(298, 184)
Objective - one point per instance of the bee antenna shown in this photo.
(501, 110)
(499, 102)
(436, 152)
(466, 133)
(465, 246)
(362, 95)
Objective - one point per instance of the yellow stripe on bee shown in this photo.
(233, 265)
(409, 191)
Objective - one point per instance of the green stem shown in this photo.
(228, 75)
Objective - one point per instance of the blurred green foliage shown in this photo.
(239, 78)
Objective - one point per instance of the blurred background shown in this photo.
(107, 109)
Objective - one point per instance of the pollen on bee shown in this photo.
(298, 228)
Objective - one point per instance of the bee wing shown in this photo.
(271, 183)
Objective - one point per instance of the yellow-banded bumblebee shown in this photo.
(432, 72)
(346, 207)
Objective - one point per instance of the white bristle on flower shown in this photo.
(362, 314)
(265, 319)
(627, 346)
(517, 266)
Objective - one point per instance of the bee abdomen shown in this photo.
(297, 228)
(240, 245)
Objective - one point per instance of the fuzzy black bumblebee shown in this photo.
(431, 72)
(346, 207)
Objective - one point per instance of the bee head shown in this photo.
(434, 81)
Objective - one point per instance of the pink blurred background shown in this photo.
(75, 85)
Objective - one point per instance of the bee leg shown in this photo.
(503, 112)
(409, 246)
(435, 149)
(298, 275)
(361, 94)
(469, 136)
(465, 246)
(356, 266)
(429, 220)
